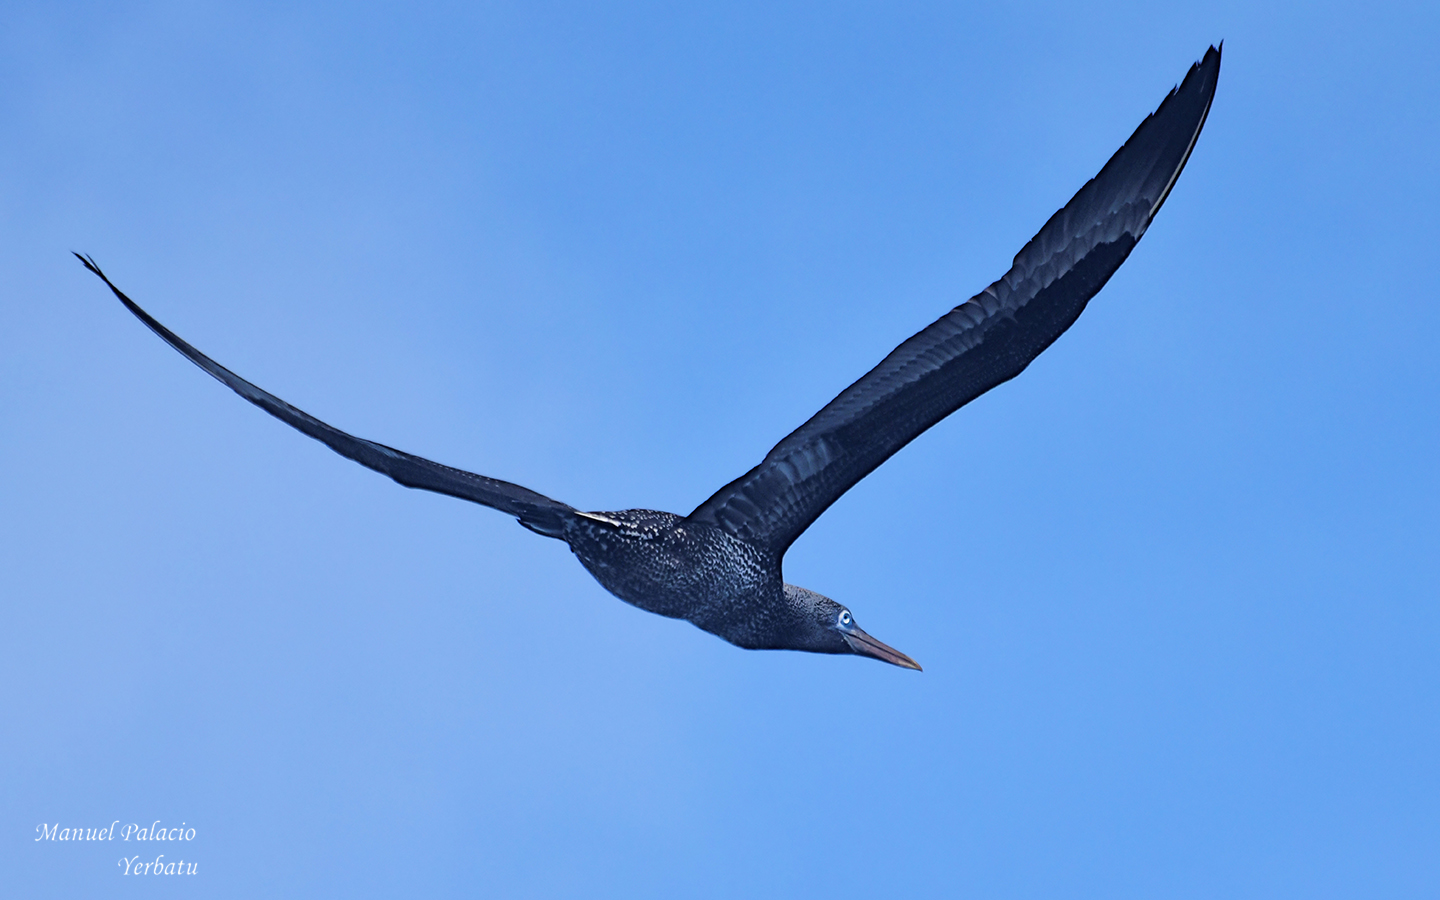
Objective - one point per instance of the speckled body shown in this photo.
(719, 567)
(667, 565)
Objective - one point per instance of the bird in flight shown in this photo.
(720, 566)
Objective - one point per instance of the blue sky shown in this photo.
(1176, 589)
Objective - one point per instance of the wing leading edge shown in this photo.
(535, 511)
(982, 343)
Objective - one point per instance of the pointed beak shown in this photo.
(865, 645)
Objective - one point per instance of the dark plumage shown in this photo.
(720, 566)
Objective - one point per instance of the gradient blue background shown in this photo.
(1176, 589)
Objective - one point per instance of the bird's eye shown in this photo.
(845, 617)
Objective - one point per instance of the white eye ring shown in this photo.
(845, 617)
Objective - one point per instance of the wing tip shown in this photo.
(1207, 69)
(88, 262)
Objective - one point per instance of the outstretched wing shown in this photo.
(985, 341)
(535, 511)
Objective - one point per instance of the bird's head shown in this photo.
(832, 629)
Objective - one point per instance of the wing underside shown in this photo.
(982, 343)
(535, 511)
